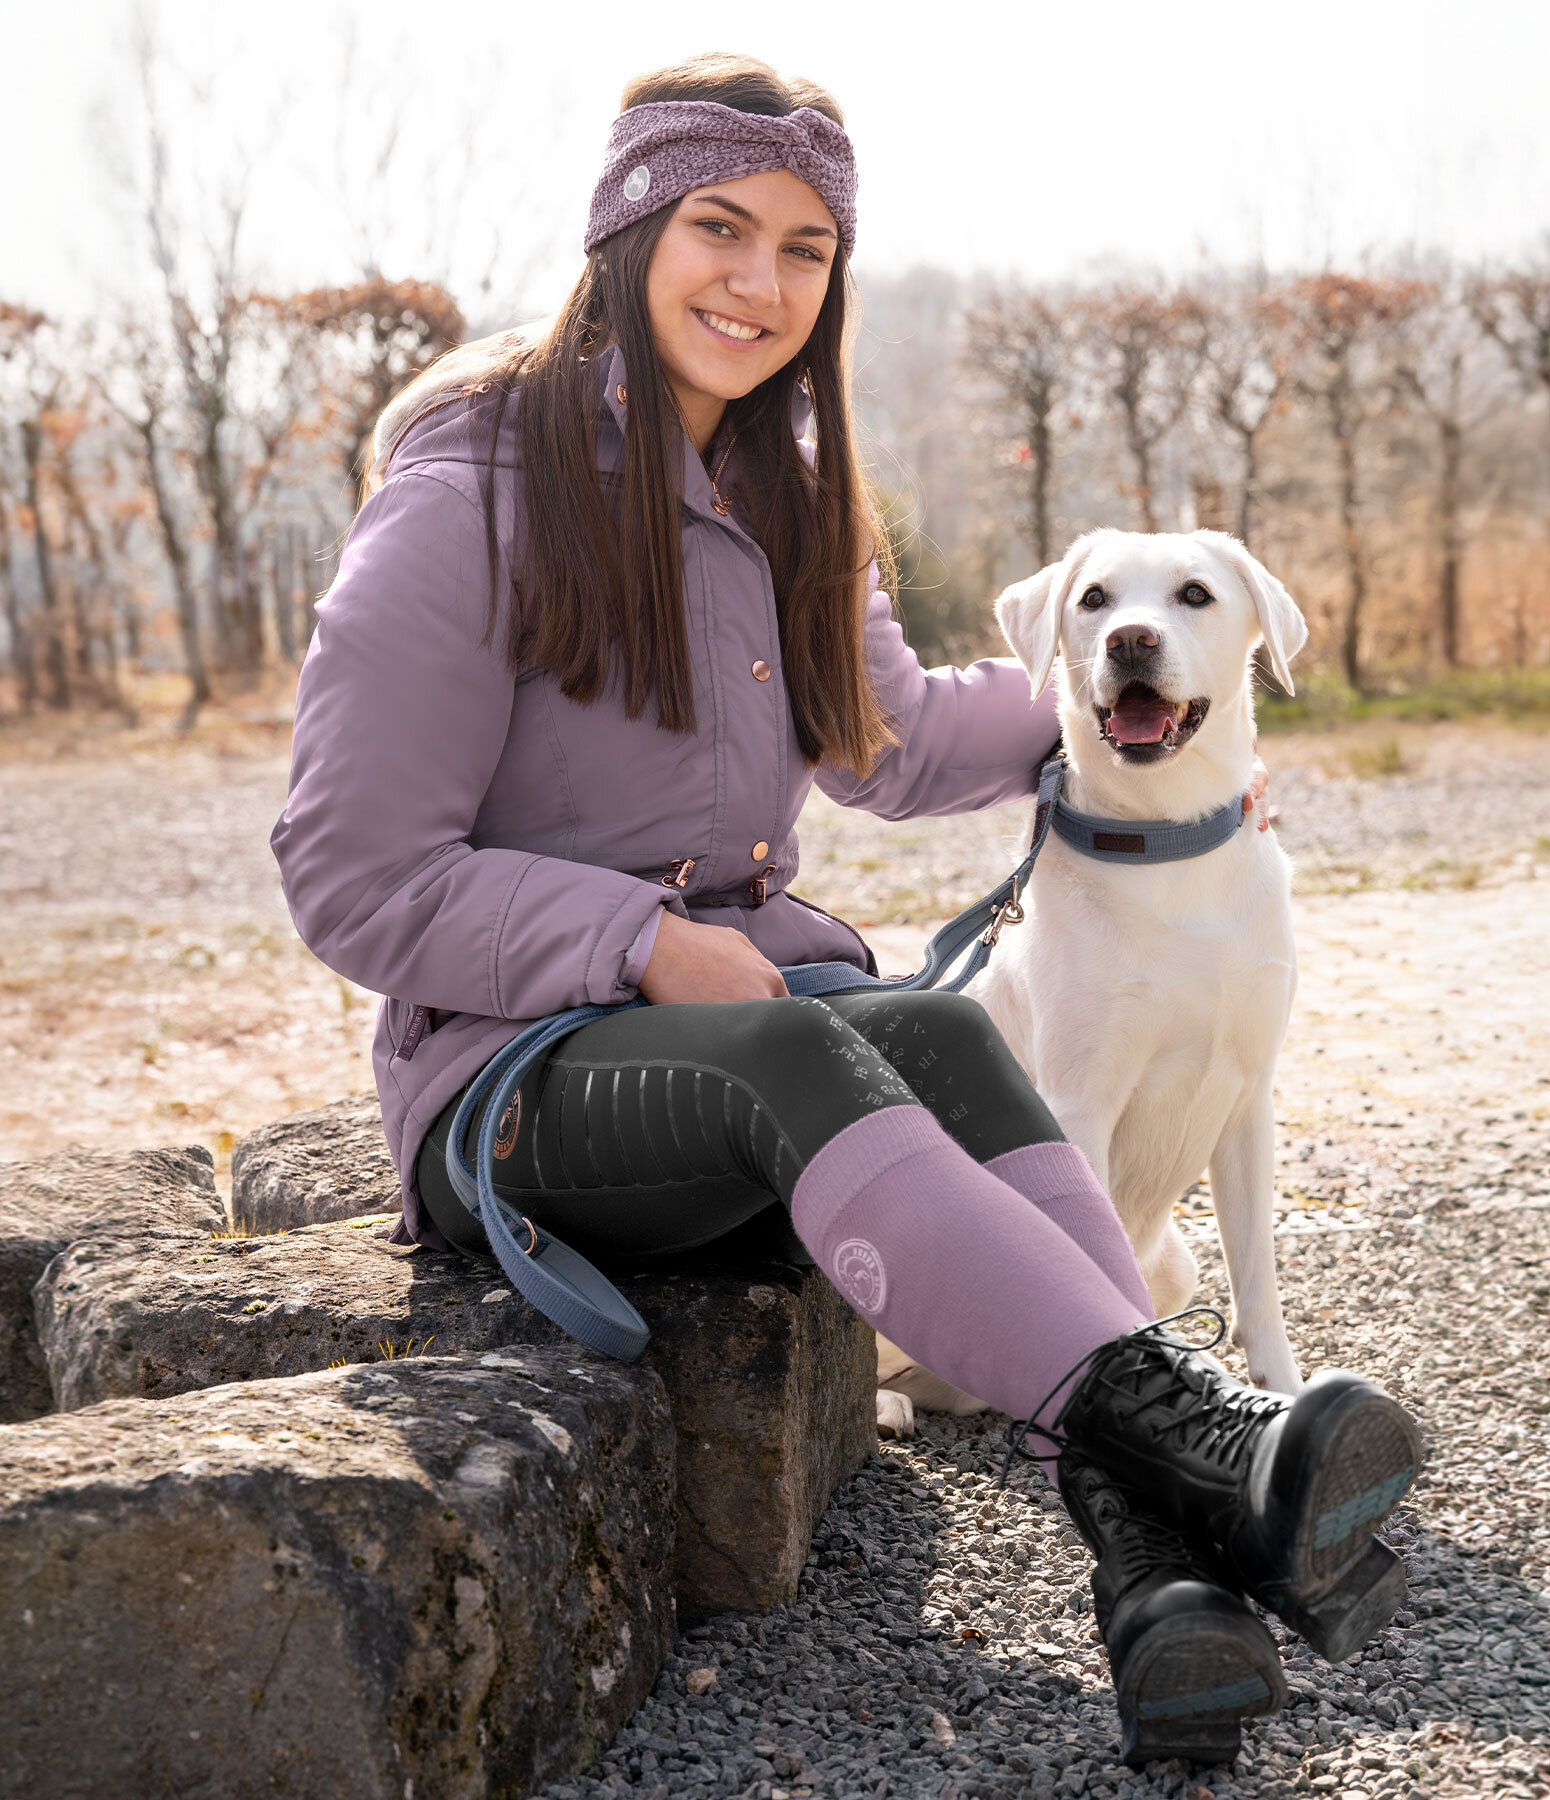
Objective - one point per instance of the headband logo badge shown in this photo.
(636, 182)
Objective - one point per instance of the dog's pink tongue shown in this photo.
(1140, 718)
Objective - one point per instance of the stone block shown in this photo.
(769, 1375)
(47, 1206)
(773, 1382)
(441, 1576)
(331, 1163)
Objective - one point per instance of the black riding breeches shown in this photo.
(663, 1127)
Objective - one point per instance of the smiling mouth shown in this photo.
(729, 330)
(1144, 727)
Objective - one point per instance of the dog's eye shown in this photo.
(1196, 595)
(1093, 598)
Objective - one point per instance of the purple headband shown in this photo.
(659, 152)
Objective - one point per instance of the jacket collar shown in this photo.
(699, 496)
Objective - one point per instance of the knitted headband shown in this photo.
(659, 152)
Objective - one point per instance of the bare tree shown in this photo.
(1513, 310)
(1437, 350)
(36, 373)
(213, 320)
(1245, 353)
(16, 626)
(139, 394)
(18, 324)
(1145, 347)
(1337, 318)
(1023, 344)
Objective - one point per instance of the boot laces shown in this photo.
(1217, 1426)
(1139, 1541)
(1019, 1430)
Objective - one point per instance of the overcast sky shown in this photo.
(1018, 137)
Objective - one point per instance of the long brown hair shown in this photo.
(600, 573)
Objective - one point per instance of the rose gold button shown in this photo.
(621, 393)
(761, 670)
(760, 851)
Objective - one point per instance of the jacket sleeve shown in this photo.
(401, 716)
(969, 738)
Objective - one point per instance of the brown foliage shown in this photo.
(381, 335)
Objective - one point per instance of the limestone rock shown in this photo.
(329, 1164)
(446, 1576)
(46, 1206)
(770, 1376)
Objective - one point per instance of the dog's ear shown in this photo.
(1029, 613)
(1281, 623)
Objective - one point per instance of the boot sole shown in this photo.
(1187, 1683)
(1356, 1453)
(1356, 1609)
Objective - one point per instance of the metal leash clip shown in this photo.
(1009, 912)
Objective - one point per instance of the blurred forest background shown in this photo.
(178, 468)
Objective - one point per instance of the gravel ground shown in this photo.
(942, 1643)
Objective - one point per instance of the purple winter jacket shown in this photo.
(484, 851)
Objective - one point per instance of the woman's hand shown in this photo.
(706, 962)
(1256, 793)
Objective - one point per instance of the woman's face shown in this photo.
(734, 288)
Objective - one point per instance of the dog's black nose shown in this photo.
(1130, 646)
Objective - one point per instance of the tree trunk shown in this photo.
(251, 603)
(1039, 444)
(188, 606)
(1449, 541)
(58, 653)
(21, 638)
(129, 615)
(1141, 455)
(80, 607)
(1356, 566)
(282, 565)
(1248, 499)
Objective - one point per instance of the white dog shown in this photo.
(1149, 1001)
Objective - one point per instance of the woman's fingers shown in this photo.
(707, 962)
(1253, 798)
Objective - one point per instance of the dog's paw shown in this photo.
(895, 1414)
(1275, 1369)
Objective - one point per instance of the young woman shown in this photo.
(611, 609)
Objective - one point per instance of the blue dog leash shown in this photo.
(559, 1281)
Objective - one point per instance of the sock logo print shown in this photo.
(860, 1276)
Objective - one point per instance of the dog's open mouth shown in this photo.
(1144, 727)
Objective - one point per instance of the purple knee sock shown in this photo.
(1059, 1180)
(952, 1264)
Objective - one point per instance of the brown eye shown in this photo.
(1093, 598)
(1196, 595)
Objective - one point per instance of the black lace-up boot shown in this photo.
(1189, 1658)
(1283, 1493)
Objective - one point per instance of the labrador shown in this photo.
(1148, 1001)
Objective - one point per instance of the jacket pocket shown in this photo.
(415, 1026)
(871, 960)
